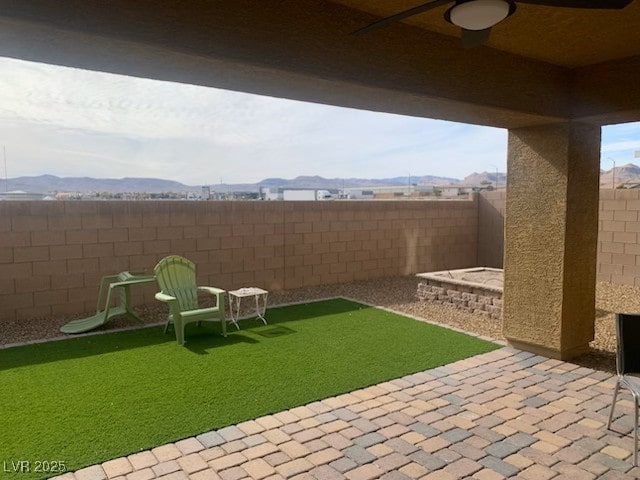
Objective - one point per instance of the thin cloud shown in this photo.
(619, 144)
(71, 122)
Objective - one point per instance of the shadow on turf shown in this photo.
(273, 332)
(199, 340)
(312, 310)
(73, 348)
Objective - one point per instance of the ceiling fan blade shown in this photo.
(474, 38)
(401, 16)
(591, 4)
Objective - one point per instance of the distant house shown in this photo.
(68, 196)
(357, 193)
(271, 193)
(280, 193)
(364, 193)
(244, 195)
(453, 191)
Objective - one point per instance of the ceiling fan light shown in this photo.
(479, 14)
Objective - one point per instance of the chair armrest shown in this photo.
(163, 297)
(219, 294)
(211, 290)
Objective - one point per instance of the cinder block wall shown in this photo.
(52, 254)
(491, 228)
(618, 236)
(618, 239)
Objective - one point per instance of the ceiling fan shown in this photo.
(476, 17)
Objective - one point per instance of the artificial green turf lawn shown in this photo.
(90, 399)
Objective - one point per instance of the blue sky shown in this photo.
(619, 143)
(70, 122)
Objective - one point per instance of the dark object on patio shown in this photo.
(628, 367)
(176, 277)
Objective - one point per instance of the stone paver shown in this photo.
(142, 460)
(260, 451)
(166, 452)
(322, 457)
(231, 433)
(258, 469)
(189, 445)
(359, 455)
(94, 472)
(504, 414)
(117, 468)
(227, 461)
(207, 474)
(277, 458)
(210, 439)
(380, 450)
(392, 462)
(294, 449)
(165, 468)
(144, 474)
(192, 463)
(233, 473)
(234, 446)
(487, 474)
(344, 464)
(294, 467)
(179, 475)
(365, 472)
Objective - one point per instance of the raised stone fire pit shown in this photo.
(475, 290)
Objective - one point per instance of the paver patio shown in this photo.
(504, 414)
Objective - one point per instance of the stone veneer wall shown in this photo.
(52, 254)
(466, 298)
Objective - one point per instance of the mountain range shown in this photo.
(51, 183)
(628, 173)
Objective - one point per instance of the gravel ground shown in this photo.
(396, 293)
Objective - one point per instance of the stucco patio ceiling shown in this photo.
(542, 65)
(562, 36)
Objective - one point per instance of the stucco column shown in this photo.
(551, 231)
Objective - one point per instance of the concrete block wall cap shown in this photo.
(453, 277)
